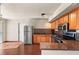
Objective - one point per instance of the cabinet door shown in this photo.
(61, 20)
(38, 38)
(35, 39)
(58, 21)
(48, 38)
(56, 26)
(78, 20)
(73, 20)
(43, 38)
(65, 20)
(53, 25)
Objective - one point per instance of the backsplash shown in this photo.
(42, 31)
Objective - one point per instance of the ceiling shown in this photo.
(27, 10)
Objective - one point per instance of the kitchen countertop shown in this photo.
(66, 45)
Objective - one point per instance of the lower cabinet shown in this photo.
(38, 38)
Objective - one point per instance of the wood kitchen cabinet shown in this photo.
(34, 39)
(38, 38)
(66, 18)
(73, 20)
(56, 24)
(42, 38)
(61, 20)
(48, 38)
(53, 25)
(78, 20)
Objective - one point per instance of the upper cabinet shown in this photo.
(60, 21)
(78, 20)
(73, 20)
(53, 25)
(56, 24)
(65, 18)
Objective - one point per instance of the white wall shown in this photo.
(0, 10)
(41, 24)
(37, 23)
(3, 29)
(1, 32)
(12, 31)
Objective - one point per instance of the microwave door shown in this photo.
(65, 27)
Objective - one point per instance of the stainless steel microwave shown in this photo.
(63, 27)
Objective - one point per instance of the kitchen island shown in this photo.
(67, 47)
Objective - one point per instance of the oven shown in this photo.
(69, 35)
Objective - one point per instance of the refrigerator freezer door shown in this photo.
(27, 37)
(30, 28)
(27, 28)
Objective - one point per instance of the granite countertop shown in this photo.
(66, 45)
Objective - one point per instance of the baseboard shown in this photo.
(10, 41)
(32, 44)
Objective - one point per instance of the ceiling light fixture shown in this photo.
(43, 14)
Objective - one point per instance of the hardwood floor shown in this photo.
(22, 50)
(32, 49)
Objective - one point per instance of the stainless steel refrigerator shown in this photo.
(27, 34)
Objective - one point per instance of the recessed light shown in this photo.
(42, 14)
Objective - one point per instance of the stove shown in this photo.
(69, 35)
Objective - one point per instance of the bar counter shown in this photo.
(66, 45)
